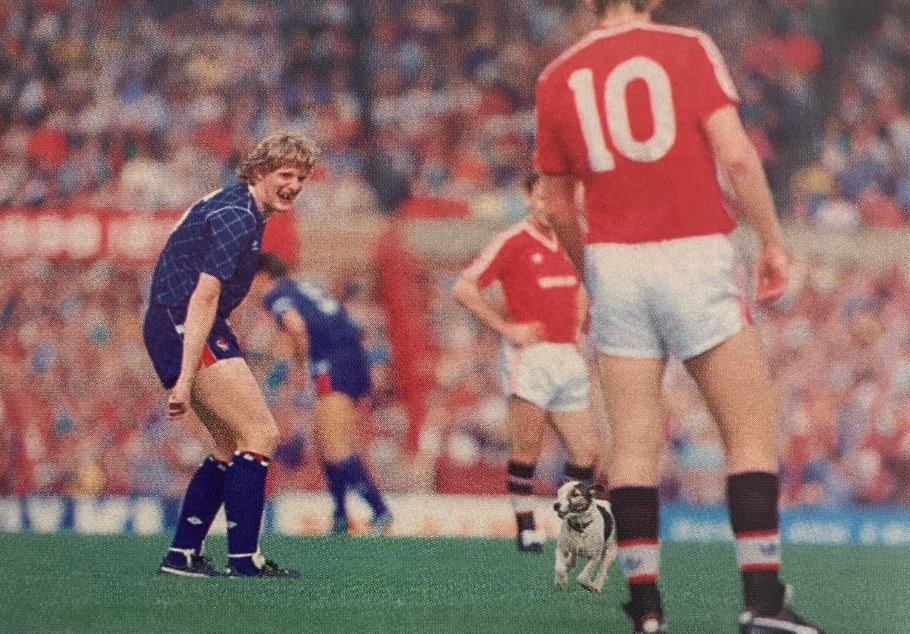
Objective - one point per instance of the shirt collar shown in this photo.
(551, 243)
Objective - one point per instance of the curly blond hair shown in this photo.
(276, 151)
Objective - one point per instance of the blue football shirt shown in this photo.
(220, 235)
(328, 324)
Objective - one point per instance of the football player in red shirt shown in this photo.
(546, 378)
(644, 116)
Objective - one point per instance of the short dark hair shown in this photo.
(531, 180)
(271, 265)
(601, 6)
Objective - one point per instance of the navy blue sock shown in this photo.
(335, 479)
(359, 480)
(203, 498)
(244, 501)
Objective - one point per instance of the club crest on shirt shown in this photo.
(222, 344)
(537, 258)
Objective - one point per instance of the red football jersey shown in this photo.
(538, 280)
(623, 112)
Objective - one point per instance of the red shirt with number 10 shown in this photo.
(623, 111)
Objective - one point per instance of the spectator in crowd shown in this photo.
(100, 101)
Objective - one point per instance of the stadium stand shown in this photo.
(103, 106)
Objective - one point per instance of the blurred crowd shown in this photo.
(144, 103)
(81, 411)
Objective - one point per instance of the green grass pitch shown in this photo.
(75, 583)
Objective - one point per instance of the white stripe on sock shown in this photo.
(758, 549)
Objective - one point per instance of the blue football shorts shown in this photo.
(163, 334)
(345, 370)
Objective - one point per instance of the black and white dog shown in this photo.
(587, 531)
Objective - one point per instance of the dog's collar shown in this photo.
(579, 523)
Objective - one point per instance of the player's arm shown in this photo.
(742, 166)
(582, 320)
(559, 193)
(200, 315)
(295, 326)
(467, 293)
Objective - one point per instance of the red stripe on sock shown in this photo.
(256, 456)
(639, 579)
(758, 535)
(769, 567)
(639, 541)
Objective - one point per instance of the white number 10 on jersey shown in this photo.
(617, 110)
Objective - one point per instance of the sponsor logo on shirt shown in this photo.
(558, 281)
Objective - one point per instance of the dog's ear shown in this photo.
(590, 489)
(586, 489)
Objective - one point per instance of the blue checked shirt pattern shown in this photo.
(220, 235)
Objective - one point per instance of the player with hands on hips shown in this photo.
(205, 270)
(545, 378)
(643, 115)
(327, 341)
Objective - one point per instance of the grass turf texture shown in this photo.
(75, 583)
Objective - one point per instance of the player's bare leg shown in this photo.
(230, 397)
(228, 390)
(632, 395)
(580, 438)
(225, 441)
(736, 384)
(527, 422)
(334, 429)
(735, 381)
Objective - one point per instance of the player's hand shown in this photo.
(772, 274)
(178, 400)
(524, 334)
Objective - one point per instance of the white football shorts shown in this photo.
(553, 376)
(654, 299)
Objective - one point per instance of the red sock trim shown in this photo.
(639, 541)
(760, 567)
(770, 534)
(256, 456)
(642, 579)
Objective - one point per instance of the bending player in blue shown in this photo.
(203, 273)
(325, 337)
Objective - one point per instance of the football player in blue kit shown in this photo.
(203, 273)
(326, 339)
